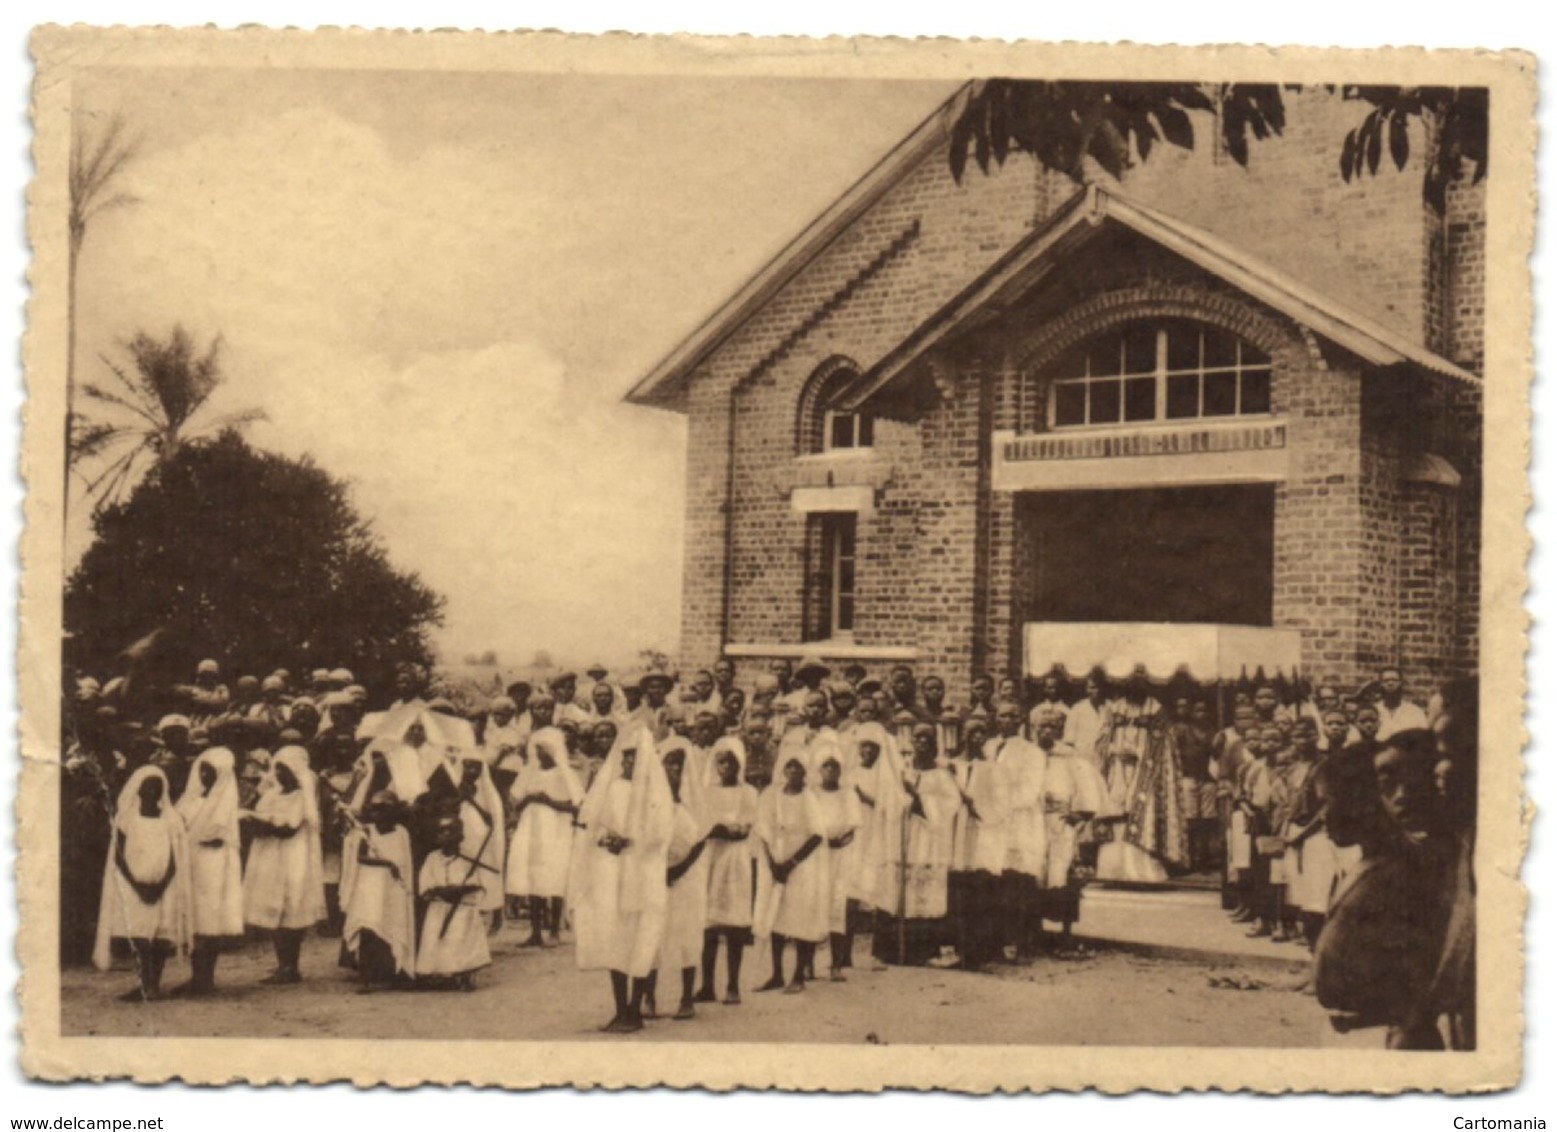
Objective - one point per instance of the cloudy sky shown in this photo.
(441, 286)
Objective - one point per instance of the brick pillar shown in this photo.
(1428, 584)
(1319, 519)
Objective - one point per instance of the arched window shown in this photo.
(823, 427)
(1159, 370)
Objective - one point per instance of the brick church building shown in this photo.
(1213, 416)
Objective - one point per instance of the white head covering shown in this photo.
(736, 747)
(532, 778)
(149, 844)
(693, 785)
(405, 775)
(212, 815)
(214, 812)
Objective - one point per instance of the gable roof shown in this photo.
(665, 385)
(1077, 222)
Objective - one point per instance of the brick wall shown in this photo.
(1364, 243)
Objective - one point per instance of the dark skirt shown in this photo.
(374, 959)
(922, 940)
(976, 902)
(1062, 905)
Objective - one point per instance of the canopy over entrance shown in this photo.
(1206, 653)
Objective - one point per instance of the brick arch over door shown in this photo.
(825, 383)
(1034, 354)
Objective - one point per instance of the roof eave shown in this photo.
(1370, 341)
(660, 387)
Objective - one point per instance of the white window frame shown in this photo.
(831, 415)
(1159, 374)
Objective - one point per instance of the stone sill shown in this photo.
(826, 650)
(859, 467)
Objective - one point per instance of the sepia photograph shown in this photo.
(658, 561)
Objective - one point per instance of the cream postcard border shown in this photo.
(1504, 811)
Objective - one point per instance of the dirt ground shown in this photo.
(1104, 998)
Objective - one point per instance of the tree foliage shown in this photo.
(1063, 124)
(252, 558)
(149, 411)
(1453, 120)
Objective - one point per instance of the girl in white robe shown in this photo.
(874, 775)
(453, 944)
(841, 821)
(146, 884)
(616, 885)
(283, 888)
(686, 878)
(378, 894)
(545, 797)
(209, 809)
(792, 884)
(730, 805)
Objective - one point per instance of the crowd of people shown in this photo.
(663, 821)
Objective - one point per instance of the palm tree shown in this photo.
(95, 164)
(150, 412)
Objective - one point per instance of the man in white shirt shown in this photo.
(1396, 713)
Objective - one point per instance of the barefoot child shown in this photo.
(283, 889)
(209, 809)
(145, 899)
(454, 936)
(732, 811)
(376, 895)
(686, 877)
(546, 796)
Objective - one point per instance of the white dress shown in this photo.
(375, 900)
(618, 911)
(729, 862)
(216, 870)
(454, 936)
(542, 847)
(798, 908)
(283, 886)
(686, 902)
(840, 815)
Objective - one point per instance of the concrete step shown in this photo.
(1177, 923)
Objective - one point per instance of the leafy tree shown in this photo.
(252, 558)
(542, 660)
(1453, 119)
(1062, 124)
(150, 413)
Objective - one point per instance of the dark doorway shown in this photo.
(1193, 554)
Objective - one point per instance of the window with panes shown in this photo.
(1164, 370)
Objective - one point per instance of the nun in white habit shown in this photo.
(617, 884)
(146, 886)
